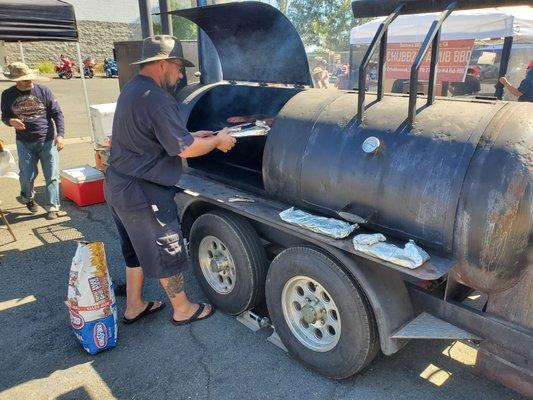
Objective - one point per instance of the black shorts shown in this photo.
(155, 244)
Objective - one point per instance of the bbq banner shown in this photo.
(454, 57)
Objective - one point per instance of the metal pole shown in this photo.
(21, 53)
(166, 19)
(504, 64)
(380, 38)
(435, 48)
(145, 6)
(352, 71)
(85, 94)
(413, 82)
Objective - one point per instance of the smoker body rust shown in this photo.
(459, 182)
(455, 176)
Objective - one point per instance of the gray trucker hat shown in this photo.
(161, 47)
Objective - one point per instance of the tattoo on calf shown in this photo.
(174, 285)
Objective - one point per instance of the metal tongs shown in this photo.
(258, 128)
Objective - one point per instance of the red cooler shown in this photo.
(84, 185)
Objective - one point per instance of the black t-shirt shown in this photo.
(469, 86)
(37, 108)
(526, 87)
(149, 133)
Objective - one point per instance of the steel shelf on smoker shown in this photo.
(267, 211)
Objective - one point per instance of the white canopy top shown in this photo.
(471, 24)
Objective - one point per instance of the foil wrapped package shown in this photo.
(258, 128)
(331, 227)
(411, 256)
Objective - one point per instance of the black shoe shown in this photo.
(51, 215)
(32, 206)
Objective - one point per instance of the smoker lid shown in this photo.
(255, 42)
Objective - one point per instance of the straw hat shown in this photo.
(161, 47)
(18, 71)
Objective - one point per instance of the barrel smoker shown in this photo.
(453, 175)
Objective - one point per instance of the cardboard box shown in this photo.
(102, 121)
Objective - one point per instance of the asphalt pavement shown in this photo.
(214, 359)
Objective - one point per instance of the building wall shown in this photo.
(125, 11)
(96, 41)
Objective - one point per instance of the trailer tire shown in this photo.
(223, 234)
(334, 333)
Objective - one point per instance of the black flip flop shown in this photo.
(147, 311)
(196, 315)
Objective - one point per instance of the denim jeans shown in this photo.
(29, 155)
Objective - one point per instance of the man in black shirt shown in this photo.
(150, 139)
(470, 86)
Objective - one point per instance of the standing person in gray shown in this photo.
(150, 139)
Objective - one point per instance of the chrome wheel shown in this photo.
(311, 313)
(217, 264)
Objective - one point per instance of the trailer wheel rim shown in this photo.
(217, 264)
(311, 313)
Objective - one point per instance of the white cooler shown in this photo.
(102, 122)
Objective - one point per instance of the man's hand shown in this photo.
(514, 91)
(59, 142)
(202, 134)
(504, 81)
(17, 124)
(225, 141)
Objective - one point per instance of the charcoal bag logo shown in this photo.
(100, 335)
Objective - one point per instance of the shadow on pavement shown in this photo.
(217, 358)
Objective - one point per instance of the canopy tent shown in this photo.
(29, 20)
(42, 20)
(488, 23)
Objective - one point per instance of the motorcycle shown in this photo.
(65, 68)
(110, 67)
(88, 68)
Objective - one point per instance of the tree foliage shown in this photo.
(183, 29)
(323, 23)
(283, 5)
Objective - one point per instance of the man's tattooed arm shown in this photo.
(174, 285)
